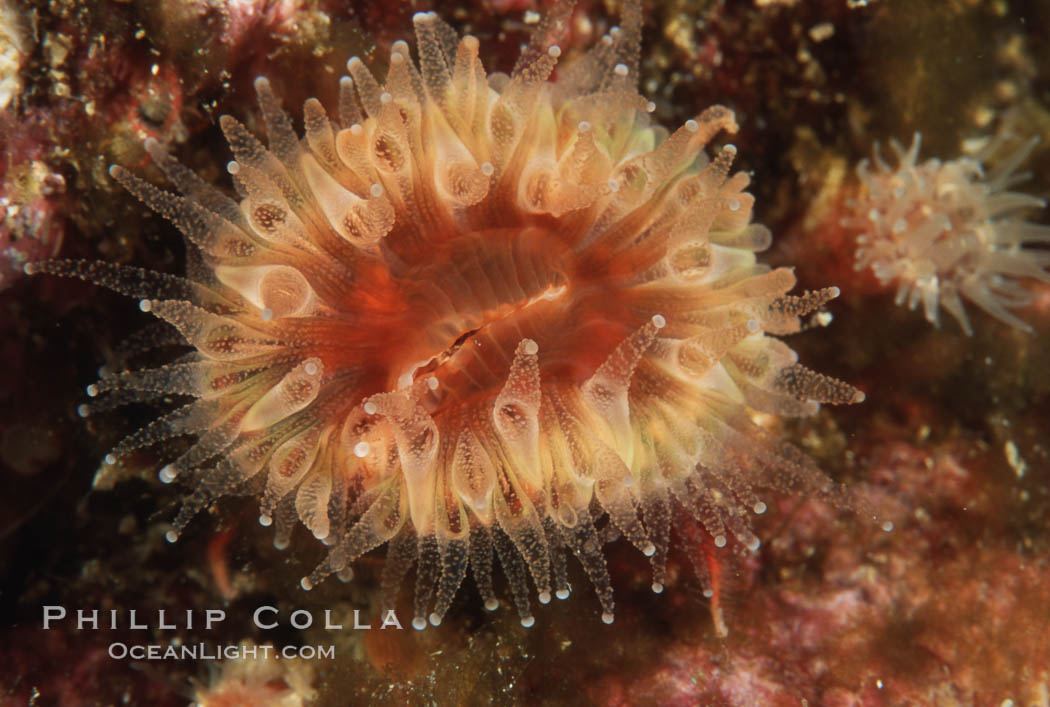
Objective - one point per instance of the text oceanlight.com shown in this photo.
(201, 651)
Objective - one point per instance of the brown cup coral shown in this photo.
(945, 232)
(478, 314)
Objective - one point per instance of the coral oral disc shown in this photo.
(475, 319)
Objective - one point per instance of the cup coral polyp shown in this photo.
(478, 315)
(943, 232)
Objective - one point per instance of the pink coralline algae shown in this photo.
(256, 675)
(29, 227)
(944, 232)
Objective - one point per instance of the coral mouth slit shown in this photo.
(476, 319)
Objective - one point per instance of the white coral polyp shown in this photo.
(944, 232)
